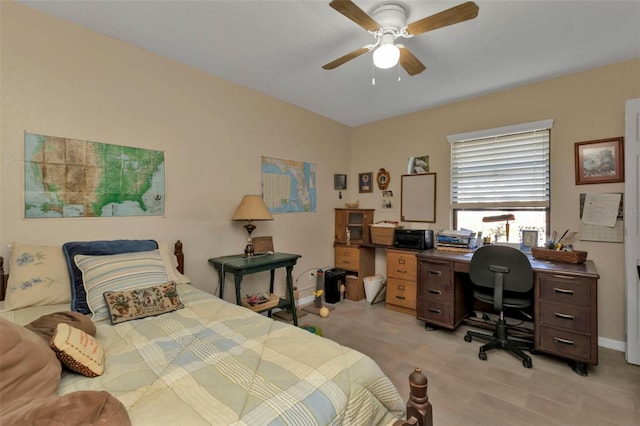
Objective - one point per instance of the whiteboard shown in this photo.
(418, 198)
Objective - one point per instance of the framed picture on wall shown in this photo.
(599, 161)
(365, 182)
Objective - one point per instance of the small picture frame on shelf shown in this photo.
(529, 240)
(365, 182)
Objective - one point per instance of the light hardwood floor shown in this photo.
(467, 391)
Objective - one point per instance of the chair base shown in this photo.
(499, 340)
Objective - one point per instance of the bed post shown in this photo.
(419, 410)
(418, 405)
(179, 256)
(2, 279)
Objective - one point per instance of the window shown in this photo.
(500, 172)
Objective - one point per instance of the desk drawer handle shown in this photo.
(564, 316)
(564, 291)
(435, 272)
(401, 271)
(438, 292)
(435, 311)
(400, 297)
(346, 261)
(564, 341)
(565, 277)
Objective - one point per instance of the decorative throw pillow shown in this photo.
(37, 276)
(45, 325)
(77, 350)
(171, 264)
(118, 272)
(142, 302)
(95, 248)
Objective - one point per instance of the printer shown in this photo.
(414, 239)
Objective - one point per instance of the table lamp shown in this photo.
(500, 218)
(252, 207)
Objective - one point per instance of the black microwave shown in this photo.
(415, 239)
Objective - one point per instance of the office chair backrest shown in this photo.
(501, 268)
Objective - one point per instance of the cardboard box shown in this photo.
(355, 288)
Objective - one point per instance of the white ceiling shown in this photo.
(278, 47)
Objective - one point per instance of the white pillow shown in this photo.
(38, 275)
(171, 264)
(118, 272)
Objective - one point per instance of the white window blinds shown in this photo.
(502, 170)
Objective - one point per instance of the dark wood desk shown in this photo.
(240, 266)
(565, 302)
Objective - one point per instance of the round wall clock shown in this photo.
(383, 179)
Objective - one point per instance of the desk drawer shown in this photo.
(565, 289)
(436, 275)
(436, 313)
(402, 265)
(568, 317)
(401, 293)
(565, 344)
(437, 291)
(347, 258)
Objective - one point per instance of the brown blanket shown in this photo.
(29, 377)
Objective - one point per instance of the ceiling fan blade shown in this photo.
(357, 15)
(346, 58)
(410, 63)
(456, 14)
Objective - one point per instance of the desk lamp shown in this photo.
(500, 218)
(251, 208)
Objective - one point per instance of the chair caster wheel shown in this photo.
(482, 356)
(467, 338)
(527, 363)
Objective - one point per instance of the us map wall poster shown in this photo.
(74, 178)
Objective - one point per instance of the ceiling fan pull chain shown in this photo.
(373, 74)
(399, 77)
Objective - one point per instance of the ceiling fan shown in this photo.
(389, 22)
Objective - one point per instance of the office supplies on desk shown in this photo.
(454, 240)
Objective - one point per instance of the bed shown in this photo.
(193, 359)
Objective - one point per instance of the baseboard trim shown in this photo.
(616, 345)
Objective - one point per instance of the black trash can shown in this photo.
(333, 279)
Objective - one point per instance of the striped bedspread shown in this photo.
(215, 363)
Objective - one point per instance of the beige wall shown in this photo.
(62, 80)
(585, 106)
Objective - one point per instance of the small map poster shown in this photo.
(288, 186)
(75, 178)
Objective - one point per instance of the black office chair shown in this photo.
(502, 276)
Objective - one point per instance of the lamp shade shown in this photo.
(252, 207)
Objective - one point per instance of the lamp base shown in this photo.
(248, 250)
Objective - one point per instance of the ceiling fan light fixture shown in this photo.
(386, 56)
